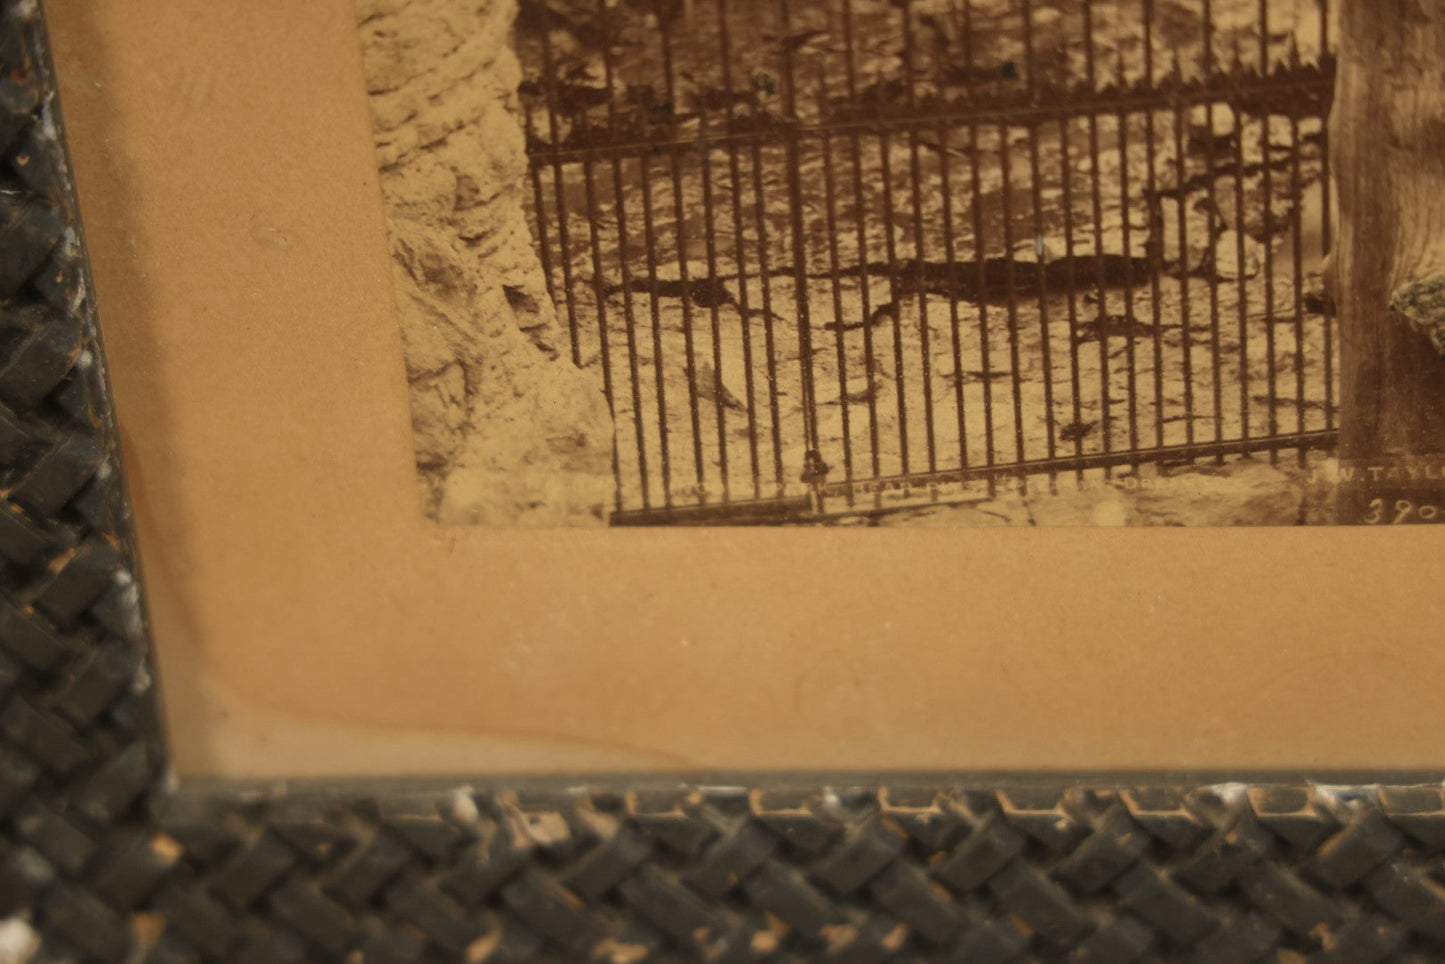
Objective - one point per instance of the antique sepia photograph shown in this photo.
(891, 263)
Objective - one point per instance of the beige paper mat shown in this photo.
(302, 604)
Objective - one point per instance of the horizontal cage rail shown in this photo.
(814, 260)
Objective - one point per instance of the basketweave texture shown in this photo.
(1213, 874)
(101, 860)
(79, 736)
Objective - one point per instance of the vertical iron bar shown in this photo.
(980, 258)
(679, 223)
(1186, 335)
(1296, 196)
(1326, 227)
(981, 265)
(800, 256)
(630, 320)
(1130, 352)
(1095, 178)
(895, 295)
(625, 271)
(599, 293)
(1040, 278)
(1240, 267)
(1156, 230)
(950, 257)
(920, 252)
(714, 301)
(1071, 281)
(967, 41)
(669, 64)
(769, 339)
(1216, 358)
(1263, 9)
(680, 238)
(1267, 189)
(1011, 290)
(649, 234)
(744, 311)
(835, 268)
(860, 216)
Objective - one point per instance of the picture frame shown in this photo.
(106, 856)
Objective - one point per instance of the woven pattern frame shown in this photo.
(103, 859)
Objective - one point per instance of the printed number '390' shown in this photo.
(1402, 511)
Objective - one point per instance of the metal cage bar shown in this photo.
(964, 192)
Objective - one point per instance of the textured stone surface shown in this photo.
(1248, 491)
(1243, 491)
(507, 430)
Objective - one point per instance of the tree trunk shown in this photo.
(1387, 135)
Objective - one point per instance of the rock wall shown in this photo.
(507, 430)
